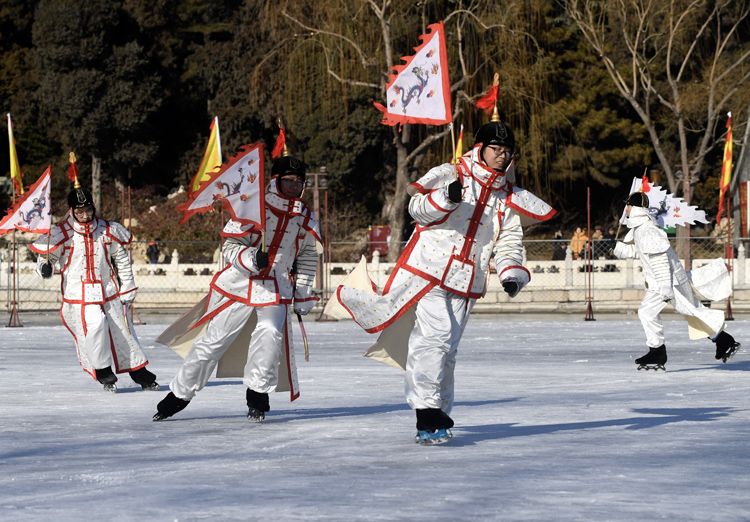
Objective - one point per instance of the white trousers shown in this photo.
(103, 336)
(433, 343)
(686, 304)
(264, 351)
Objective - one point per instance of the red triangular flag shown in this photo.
(488, 101)
(645, 187)
(278, 148)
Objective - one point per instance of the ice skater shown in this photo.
(666, 282)
(91, 254)
(255, 293)
(466, 213)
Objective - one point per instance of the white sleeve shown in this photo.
(124, 268)
(660, 267)
(508, 250)
(431, 207)
(306, 266)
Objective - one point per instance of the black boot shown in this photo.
(725, 346)
(431, 419)
(145, 378)
(257, 405)
(168, 406)
(655, 359)
(107, 379)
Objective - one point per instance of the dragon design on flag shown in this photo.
(39, 204)
(416, 90)
(231, 188)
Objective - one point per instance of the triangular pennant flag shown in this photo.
(645, 185)
(211, 161)
(278, 148)
(33, 212)
(239, 186)
(72, 171)
(488, 102)
(15, 167)
(667, 209)
(419, 91)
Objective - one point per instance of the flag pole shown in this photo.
(14, 321)
(729, 251)
(589, 265)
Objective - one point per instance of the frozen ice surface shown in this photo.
(553, 422)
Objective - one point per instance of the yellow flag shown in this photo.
(211, 158)
(459, 146)
(15, 168)
(726, 169)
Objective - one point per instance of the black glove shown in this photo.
(46, 270)
(511, 288)
(261, 259)
(454, 191)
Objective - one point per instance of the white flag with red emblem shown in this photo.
(33, 212)
(238, 186)
(667, 209)
(419, 91)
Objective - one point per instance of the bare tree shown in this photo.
(680, 64)
(372, 57)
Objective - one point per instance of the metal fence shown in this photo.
(184, 269)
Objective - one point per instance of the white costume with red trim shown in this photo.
(91, 257)
(666, 279)
(241, 293)
(444, 267)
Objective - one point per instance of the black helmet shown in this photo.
(80, 197)
(637, 199)
(495, 133)
(289, 165)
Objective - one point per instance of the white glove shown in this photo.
(622, 250)
(129, 297)
(667, 293)
(304, 307)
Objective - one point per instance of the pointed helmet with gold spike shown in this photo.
(78, 197)
(495, 132)
(287, 164)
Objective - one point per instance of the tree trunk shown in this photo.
(683, 236)
(96, 181)
(398, 207)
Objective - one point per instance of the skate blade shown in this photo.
(433, 441)
(730, 353)
(110, 388)
(154, 386)
(256, 418)
(655, 367)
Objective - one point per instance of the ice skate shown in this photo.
(145, 378)
(168, 406)
(257, 405)
(107, 379)
(726, 346)
(431, 438)
(655, 359)
(433, 426)
(256, 415)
